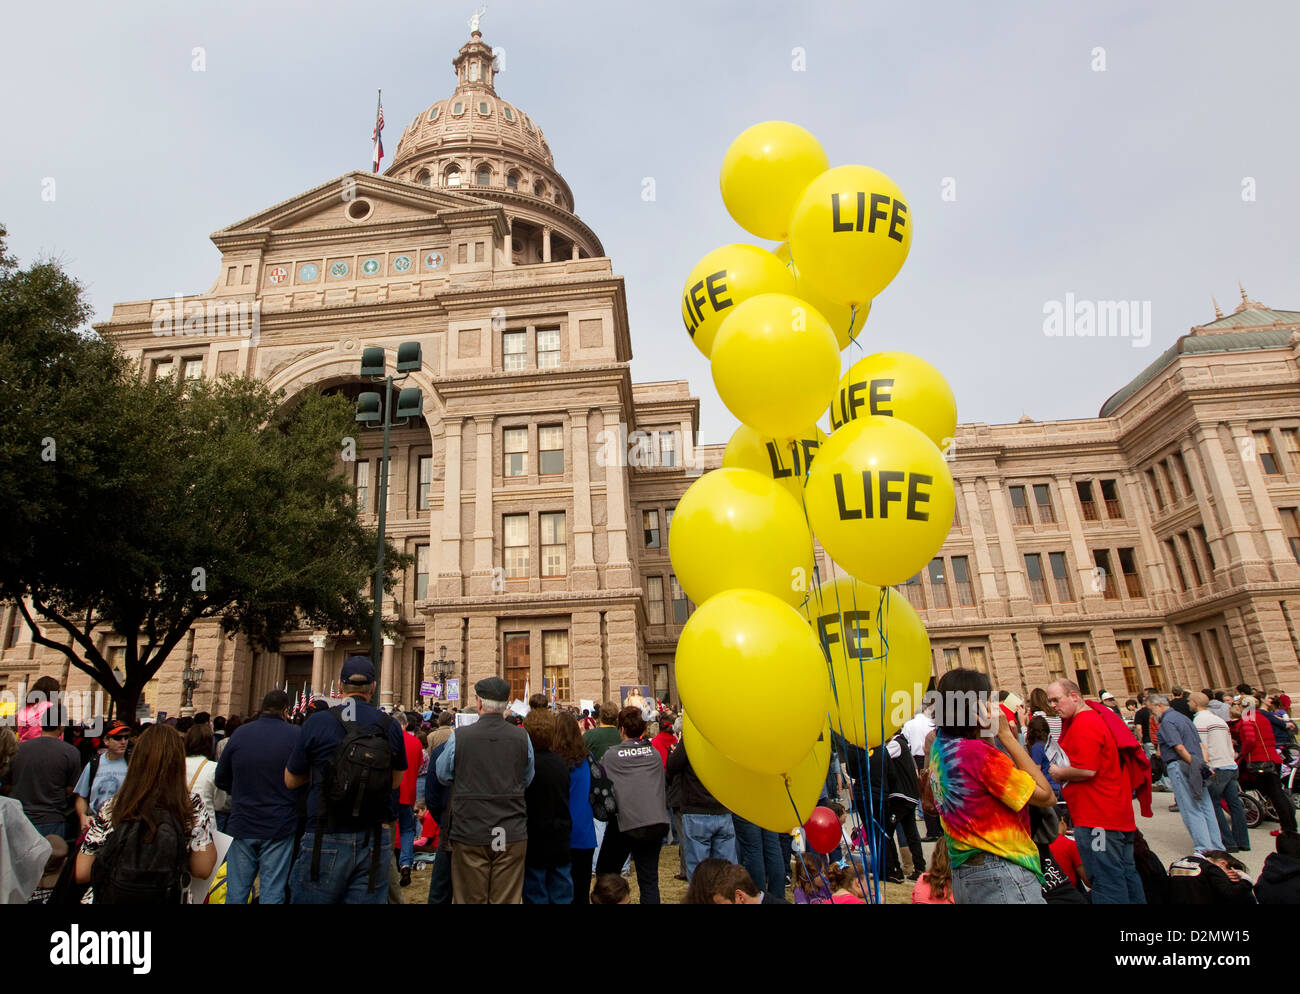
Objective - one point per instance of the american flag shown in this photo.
(378, 134)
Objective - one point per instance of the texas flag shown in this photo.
(378, 134)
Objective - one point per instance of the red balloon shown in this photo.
(823, 830)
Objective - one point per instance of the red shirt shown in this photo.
(663, 744)
(1066, 854)
(414, 755)
(1106, 799)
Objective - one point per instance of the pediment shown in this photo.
(326, 207)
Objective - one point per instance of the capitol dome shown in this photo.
(476, 143)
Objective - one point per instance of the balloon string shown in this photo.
(803, 855)
(835, 694)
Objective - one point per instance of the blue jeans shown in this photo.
(59, 828)
(995, 881)
(1197, 812)
(406, 825)
(548, 885)
(345, 861)
(759, 852)
(268, 858)
(1224, 787)
(440, 878)
(706, 836)
(1107, 857)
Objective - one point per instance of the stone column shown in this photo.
(583, 574)
(1013, 566)
(320, 678)
(546, 245)
(990, 601)
(508, 244)
(1152, 557)
(1237, 534)
(449, 575)
(387, 678)
(575, 251)
(481, 578)
(1089, 600)
(1269, 523)
(618, 571)
(1201, 485)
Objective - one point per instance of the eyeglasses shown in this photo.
(118, 738)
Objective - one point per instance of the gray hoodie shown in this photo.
(637, 772)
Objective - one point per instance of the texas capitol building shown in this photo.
(1155, 544)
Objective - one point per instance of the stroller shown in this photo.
(1257, 804)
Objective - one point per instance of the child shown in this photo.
(847, 881)
(935, 885)
(611, 888)
(810, 882)
(427, 840)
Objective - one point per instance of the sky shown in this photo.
(1108, 151)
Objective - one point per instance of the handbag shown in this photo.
(927, 796)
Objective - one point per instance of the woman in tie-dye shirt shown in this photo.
(981, 792)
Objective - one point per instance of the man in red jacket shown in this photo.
(1099, 793)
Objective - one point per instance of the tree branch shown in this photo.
(93, 671)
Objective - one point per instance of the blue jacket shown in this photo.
(583, 835)
(251, 770)
(435, 793)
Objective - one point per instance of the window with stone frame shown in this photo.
(1290, 528)
(1110, 496)
(514, 447)
(548, 348)
(1043, 498)
(1109, 584)
(516, 649)
(1060, 577)
(978, 658)
(514, 350)
(1264, 453)
(421, 572)
(1128, 566)
(1180, 464)
(1079, 660)
(1155, 663)
(554, 546)
(555, 665)
(1055, 662)
(1185, 544)
(654, 593)
(361, 479)
(961, 579)
(1086, 504)
(1034, 570)
(1155, 490)
(1291, 436)
(1204, 544)
(550, 450)
(1172, 550)
(952, 659)
(667, 448)
(650, 526)
(1132, 679)
(1019, 506)
(939, 583)
(425, 483)
(681, 606)
(514, 543)
(914, 591)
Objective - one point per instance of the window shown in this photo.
(914, 592)
(1019, 506)
(424, 178)
(1264, 452)
(163, 369)
(1034, 567)
(978, 658)
(1290, 528)
(1292, 438)
(515, 543)
(425, 484)
(1086, 503)
(1181, 464)
(1132, 681)
(362, 480)
(1204, 543)
(514, 442)
(1202, 652)
(421, 572)
(512, 181)
(661, 681)
(938, 583)
(1055, 662)
(654, 592)
(434, 112)
(457, 109)
(1155, 490)
(514, 350)
(550, 445)
(1168, 482)
(650, 524)
(961, 577)
(462, 253)
(474, 70)
(548, 348)
(193, 370)
(1155, 666)
(1109, 588)
(1079, 660)
(17, 623)
(483, 108)
(555, 665)
(668, 520)
(517, 663)
(951, 659)
(478, 251)
(667, 448)
(509, 114)
(1043, 498)
(681, 607)
(1186, 544)
(1128, 566)
(554, 550)
(539, 189)
(1060, 576)
(1110, 494)
(452, 178)
(1178, 566)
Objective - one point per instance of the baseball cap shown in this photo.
(358, 670)
(118, 728)
(1106, 695)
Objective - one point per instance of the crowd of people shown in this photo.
(1021, 802)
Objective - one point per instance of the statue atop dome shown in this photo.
(476, 18)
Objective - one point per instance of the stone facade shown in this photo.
(1156, 544)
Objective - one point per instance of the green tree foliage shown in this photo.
(143, 507)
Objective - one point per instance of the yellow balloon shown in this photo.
(845, 321)
(763, 798)
(763, 173)
(738, 528)
(737, 648)
(776, 363)
(872, 693)
(898, 385)
(724, 278)
(880, 498)
(785, 460)
(851, 233)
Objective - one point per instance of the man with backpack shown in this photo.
(353, 756)
(103, 775)
(488, 764)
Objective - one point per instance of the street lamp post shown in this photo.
(410, 403)
(190, 680)
(442, 671)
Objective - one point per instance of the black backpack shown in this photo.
(132, 868)
(358, 784)
(604, 805)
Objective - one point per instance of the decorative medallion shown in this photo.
(370, 266)
(433, 260)
(402, 263)
(277, 274)
(339, 269)
(309, 272)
